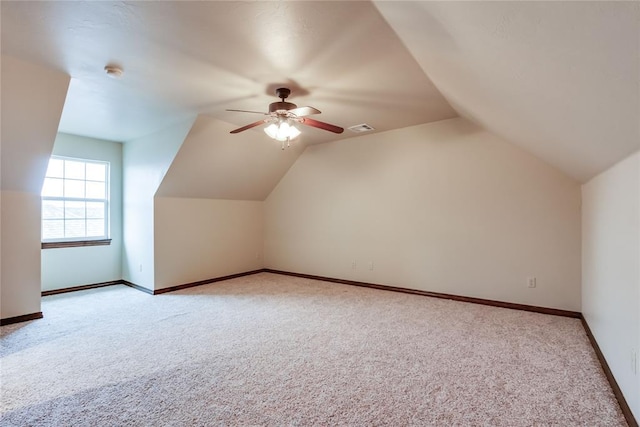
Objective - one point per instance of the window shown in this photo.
(75, 202)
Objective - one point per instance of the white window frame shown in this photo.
(82, 241)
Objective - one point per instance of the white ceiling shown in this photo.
(560, 79)
(184, 58)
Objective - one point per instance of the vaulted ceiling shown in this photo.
(560, 79)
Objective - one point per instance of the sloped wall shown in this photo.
(212, 164)
(442, 207)
(611, 270)
(208, 212)
(145, 162)
(32, 102)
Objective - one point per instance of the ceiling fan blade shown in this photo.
(247, 111)
(304, 111)
(321, 125)
(249, 126)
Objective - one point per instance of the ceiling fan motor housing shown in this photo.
(281, 106)
(282, 93)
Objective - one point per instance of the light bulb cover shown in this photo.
(271, 130)
(282, 131)
(293, 132)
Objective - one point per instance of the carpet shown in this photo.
(274, 350)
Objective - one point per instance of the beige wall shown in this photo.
(32, 102)
(20, 291)
(442, 207)
(200, 239)
(611, 270)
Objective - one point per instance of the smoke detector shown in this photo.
(361, 128)
(113, 71)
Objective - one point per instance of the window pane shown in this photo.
(52, 209)
(52, 187)
(73, 169)
(55, 168)
(52, 229)
(96, 172)
(74, 210)
(95, 210)
(74, 189)
(66, 211)
(95, 190)
(95, 228)
(74, 228)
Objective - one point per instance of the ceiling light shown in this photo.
(282, 131)
(113, 71)
(283, 115)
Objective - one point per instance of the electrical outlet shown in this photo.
(354, 265)
(634, 361)
(531, 282)
(140, 268)
(371, 265)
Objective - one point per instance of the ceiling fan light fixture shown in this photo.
(282, 131)
(282, 115)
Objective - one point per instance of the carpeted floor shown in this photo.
(276, 350)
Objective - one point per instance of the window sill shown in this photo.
(76, 244)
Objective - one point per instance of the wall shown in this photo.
(442, 207)
(20, 254)
(31, 105)
(611, 270)
(199, 239)
(145, 163)
(65, 267)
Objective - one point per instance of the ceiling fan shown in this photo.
(282, 117)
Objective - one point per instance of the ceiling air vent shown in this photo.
(361, 128)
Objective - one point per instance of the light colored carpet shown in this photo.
(276, 350)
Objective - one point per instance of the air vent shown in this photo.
(361, 128)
